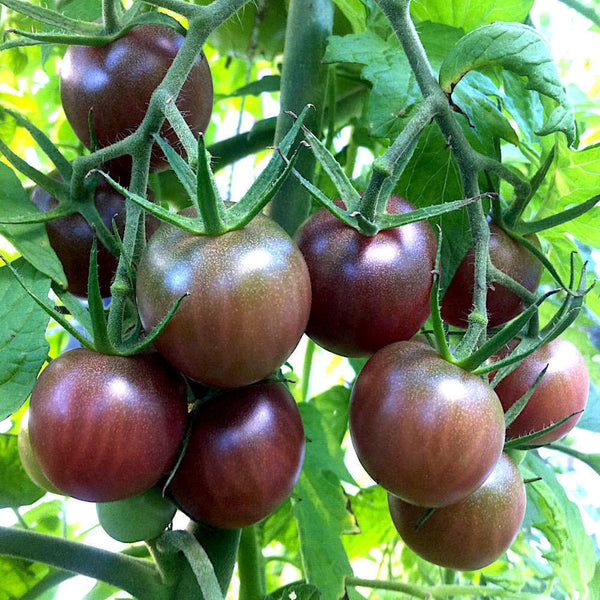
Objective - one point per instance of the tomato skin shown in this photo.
(72, 237)
(562, 391)
(30, 462)
(368, 291)
(244, 456)
(105, 427)
(502, 305)
(247, 306)
(135, 519)
(472, 533)
(424, 429)
(116, 82)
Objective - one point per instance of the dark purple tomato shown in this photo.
(116, 82)
(502, 305)
(423, 428)
(105, 427)
(472, 533)
(562, 391)
(247, 304)
(367, 291)
(72, 237)
(243, 458)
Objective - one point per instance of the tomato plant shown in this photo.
(284, 217)
(105, 427)
(243, 457)
(503, 304)
(368, 291)
(472, 533)
(424, 429)
(562, 391)
(96, 81)
(246, 306)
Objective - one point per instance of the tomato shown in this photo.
(116, 82)
(475, 531)
(502, 305)
(107, 427)
(72, 237)
(142, 517)
(423, 428)
(562, 391)
(243, 458)
(30, 462)
(247, 305)
(367, 291)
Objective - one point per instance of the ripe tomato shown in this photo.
(243, 458)
(142, 517)
(562, 391)
(367, 291)
(472, 533)
(247, 305)
(107, 427)
(502, 304)
(116, 82)
(72, 237)
(424, 429)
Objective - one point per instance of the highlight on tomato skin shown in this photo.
(423, 428)
(473, 533)
(508, 256)
(562, 391)
(243, 458)
(106, 427)
(368, 291)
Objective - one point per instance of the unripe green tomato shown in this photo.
(30, 462)
(142, 517)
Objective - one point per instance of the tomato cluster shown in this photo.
(203, 423)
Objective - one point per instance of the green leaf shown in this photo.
(323, 449)
(432, 177)
(18, 576)
(594, 588)
(517, 48)
(333, 405)
(469, 15)
(16, 489)
(355, 12)
(30, 240)
(572, 551)
(370, 508)
(23, 345)
(319, 506)
(299, 590)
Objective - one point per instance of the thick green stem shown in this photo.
(303, 81)
(111, 12)
(251, 566)
(134, 575)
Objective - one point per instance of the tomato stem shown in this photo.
(251, 567)
(137, 576)
(303, 81)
